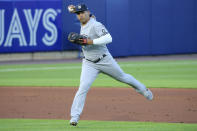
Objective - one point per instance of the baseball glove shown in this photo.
(77, 38)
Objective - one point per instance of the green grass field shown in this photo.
(62, 125)
(166, 74)
(170, 74)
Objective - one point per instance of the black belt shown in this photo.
(97, 60)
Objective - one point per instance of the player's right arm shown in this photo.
(71, 8)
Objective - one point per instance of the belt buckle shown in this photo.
(101, 57)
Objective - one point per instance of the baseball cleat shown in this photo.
(147, 94)
(73, 123)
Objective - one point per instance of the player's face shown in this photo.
(83, 16)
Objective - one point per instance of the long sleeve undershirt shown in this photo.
(103, 40)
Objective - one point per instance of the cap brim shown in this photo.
(80, 11)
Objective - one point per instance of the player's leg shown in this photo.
(88, 75)
(113, 69)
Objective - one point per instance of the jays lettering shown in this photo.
(34, 18)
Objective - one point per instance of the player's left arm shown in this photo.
(106, 39)
(102, 33)
(104, 36)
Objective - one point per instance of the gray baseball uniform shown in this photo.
(91, 69)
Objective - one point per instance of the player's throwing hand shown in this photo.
(71, 8)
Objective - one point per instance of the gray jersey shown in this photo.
(93, 30)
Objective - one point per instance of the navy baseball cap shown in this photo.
(80, 8)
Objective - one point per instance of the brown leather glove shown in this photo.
(77, 38)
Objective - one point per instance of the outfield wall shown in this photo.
(40, 56)
(138, 27)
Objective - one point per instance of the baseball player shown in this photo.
(93, 37)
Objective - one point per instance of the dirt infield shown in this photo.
(114, 104)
